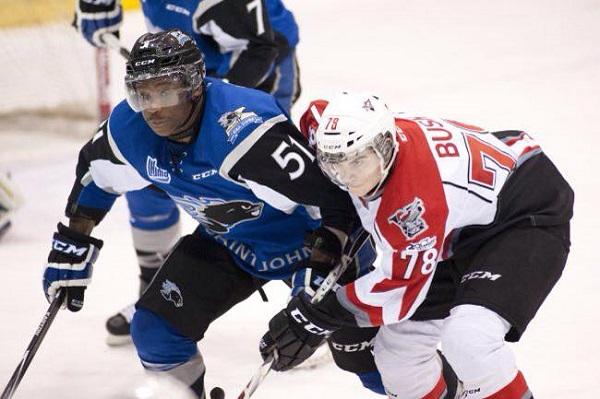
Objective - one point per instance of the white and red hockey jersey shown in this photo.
(447, 176)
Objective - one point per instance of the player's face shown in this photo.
(359, 174)
(165, 104)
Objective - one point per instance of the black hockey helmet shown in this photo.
(172, 55)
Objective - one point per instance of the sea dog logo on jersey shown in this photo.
(170, 291)
(234, 121)
(217, 215)
(155, 173)
(409, 219)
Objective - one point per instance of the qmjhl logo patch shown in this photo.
(155, 173)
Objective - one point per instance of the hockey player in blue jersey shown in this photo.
(248, 43)
(231, 158)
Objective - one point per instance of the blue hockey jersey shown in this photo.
(247, 178)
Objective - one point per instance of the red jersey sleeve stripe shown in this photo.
(375, 313)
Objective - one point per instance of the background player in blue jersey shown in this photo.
(248, 43)
(234, 161)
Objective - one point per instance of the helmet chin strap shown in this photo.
(385, 174)
(190, 129)
(376, 191)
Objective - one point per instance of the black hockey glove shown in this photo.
(326, 249)
(70, 265)
(299, 329)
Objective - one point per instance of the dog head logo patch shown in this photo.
(170, 291)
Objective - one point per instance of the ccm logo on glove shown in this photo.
(297, 315)
(68, 248)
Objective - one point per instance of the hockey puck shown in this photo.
(217, 393)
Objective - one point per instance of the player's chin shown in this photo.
(359, 191)
(162, 129)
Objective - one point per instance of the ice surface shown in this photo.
(527, 64)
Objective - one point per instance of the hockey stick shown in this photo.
(326, 286)
(258, 377)
(103, 82)
(114, 43)
(103, 71)
(261, 373)
(330, 281)
(335, 274)
(39, 335)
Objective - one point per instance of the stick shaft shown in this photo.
(114, 43)
(33, 346)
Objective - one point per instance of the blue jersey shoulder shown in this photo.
(232, 113)
(263, 240)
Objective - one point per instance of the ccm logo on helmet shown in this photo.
(145, 62)
(332, 147)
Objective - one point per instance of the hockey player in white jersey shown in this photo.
(475, 223)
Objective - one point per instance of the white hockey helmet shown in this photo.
(356, 142)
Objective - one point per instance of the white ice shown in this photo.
(524, 64)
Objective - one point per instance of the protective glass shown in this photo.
(356, 172)
(152, 91)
